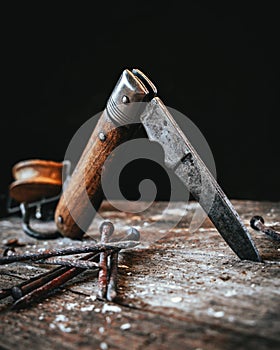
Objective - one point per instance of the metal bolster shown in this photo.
(133, 86)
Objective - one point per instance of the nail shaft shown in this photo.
(32, 283)
(48, 288)
(20, 290)
(113, 279)
(131, 234)
(70, 263)
(45, 284)
(106, 231)
(96, 248)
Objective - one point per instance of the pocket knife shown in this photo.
(83, 194)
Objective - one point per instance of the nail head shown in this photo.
(255, 220)
(133, 234)
(106, 228)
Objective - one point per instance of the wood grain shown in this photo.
(83, 195)
(182, 291)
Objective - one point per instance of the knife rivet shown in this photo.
(60, 219)
(125, 99)
(102, 136)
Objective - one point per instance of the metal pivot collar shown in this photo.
(123, 106)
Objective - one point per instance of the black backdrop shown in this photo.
(215, 63)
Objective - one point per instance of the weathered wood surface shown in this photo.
(184, 291)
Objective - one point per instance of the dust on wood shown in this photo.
(177, 290)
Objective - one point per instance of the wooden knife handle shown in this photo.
(83, 194)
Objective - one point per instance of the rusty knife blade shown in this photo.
(182, 158)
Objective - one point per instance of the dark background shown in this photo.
(216, 63)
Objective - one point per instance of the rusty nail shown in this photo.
(257, 223)
(106, 230)
(132, 234)
(47, 285)
(112, 284)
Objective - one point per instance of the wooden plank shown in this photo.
(177, 290)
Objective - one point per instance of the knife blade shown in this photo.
(182, 158)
